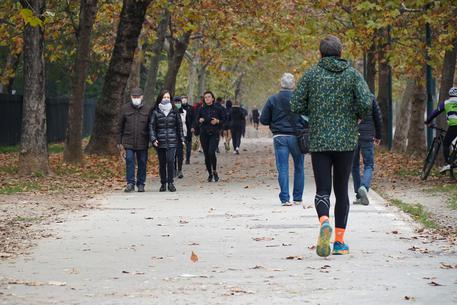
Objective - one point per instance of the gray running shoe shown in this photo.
(363, 194)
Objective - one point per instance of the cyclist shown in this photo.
(450, 107)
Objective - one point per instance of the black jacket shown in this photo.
(208, 113)
(166, 129)
(133, 127)
(371, 126)
(237, 117)
(277, 114)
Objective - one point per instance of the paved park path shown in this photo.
(136, 248)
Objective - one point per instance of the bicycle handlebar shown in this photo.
(434, 126)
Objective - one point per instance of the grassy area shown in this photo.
(52, 149)
(417, 212)
(18, 187)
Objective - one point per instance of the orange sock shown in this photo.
(322, 219)
(339, 235)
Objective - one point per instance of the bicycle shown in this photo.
(433, 153)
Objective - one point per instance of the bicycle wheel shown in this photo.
(430, 159)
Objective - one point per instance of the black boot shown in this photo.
(216, 177)
(171, 187)
(141, 188)
(210, 178)
(163, 188)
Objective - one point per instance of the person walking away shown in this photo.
(255, 117)
(194, 129)
(166, 131)
(177, 104)
(210, 118)
(189, 122)
(227, 133)
(245, 114)
(133, 140)
(237, 120)
(285, 126)
(369, 135)
(450, 107)
(334, 96)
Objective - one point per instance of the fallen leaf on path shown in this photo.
(257, 267)
(194, 244)
(262, 238)
(408, 298)
(194, 257)
(55, 283)
(298, 258)
(186, 275)
(183, 221)
(433, 283)
(448, 266)
(149, 218)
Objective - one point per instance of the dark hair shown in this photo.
(228, 104)
(219, 99)
(160, 97)
(208, 92)
(330, 46)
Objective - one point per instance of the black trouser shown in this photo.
(166, 164)
(237, 131)
(451, 134)
(188, 147)
(209, 144)
(179, 156)
(341, 163)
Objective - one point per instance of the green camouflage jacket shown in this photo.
(334, 96)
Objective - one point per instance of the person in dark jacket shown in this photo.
(189, 122)
(210, 118)
(285, 125)
(369, 135)
(177, 104)
(166, 131)
(133, 139)
(255, 117)
(237, 122)
(227, 134)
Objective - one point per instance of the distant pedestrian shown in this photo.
(190, 113)
(334, 96)
(133, 139)
(369, 134)
(255, 117)
(237, 122)
(285, 126)
(177, 104)
(210, 119)
(166, 131)
(227, 133)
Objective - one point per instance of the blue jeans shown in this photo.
(141, 159)
(366, 148)
(285, 145)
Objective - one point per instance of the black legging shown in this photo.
(237, 131)
(209, 144)
(166, 164)
(188, 147)
(451, 134)
(341, 162)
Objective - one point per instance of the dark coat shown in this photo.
(237, 117)
(190, 114)
(133, 127)
(371, 126)
(208, 113)
(166, 129)
(277, 114)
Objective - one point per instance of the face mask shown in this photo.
(136, 101)
(165, 101)
(178, 106)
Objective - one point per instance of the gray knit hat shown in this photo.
(136, 92)
(288, 81)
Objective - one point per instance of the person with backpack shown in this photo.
(285, 126)
(166, 131)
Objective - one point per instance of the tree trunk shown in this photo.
(238, 87)
(157, 48)
(416, 132)
(371, 67)
(193, 79)
(33, 155)
(9, 72)
(403, 118)
(73, 143)
(383, 87)
(176, 52)
(447, 81)
(201, 81)
(104, 135)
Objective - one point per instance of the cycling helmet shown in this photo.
(453, 91)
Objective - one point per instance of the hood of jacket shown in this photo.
(334, 64)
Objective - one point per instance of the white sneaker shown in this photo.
(363, 193)
(286, 204)
(357, 201)
(445, 168)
